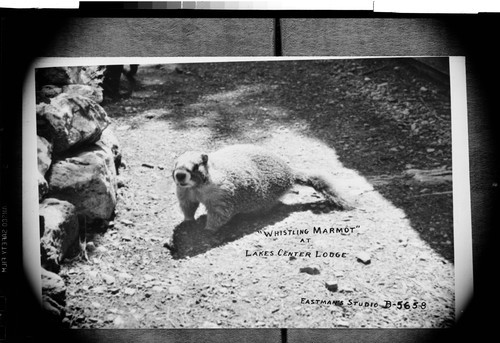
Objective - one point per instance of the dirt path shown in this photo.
(371, 116)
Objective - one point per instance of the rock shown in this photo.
(61, 231)
(342, 323)
(53, 296)
(109, 140)
(108, 279)
(44, 155)
(52, 76)
(332, 285)
(70, 121)
(87, 180)
(53, 286)
(47, 92)
(363, 257)
(129, 291)
(90, 247)
(88, 91)
(311, 270)
(43, 187)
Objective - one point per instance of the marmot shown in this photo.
(240, 179)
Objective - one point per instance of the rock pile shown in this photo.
(78, 160)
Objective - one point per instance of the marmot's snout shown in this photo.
(181, 177)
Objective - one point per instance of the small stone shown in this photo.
(92, 274)
(99, 289)
(90, 246)
(127, 222)
(342, 323)
(148, 165)
(108, 279)
(311, 270)
(364, 257)
(347, 289)
(332, 285)
(129, 291)
(126, 238)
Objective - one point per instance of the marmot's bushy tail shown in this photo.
(323, 184)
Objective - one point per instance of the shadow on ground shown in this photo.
(191, 239)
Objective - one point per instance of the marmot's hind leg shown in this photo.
(323, 184)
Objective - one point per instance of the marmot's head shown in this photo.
(190, 169)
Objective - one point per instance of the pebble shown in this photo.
(92, 274)
(126, 238)
(99, 289)
(364, 257)
(311, 270)
(90, 246)
(108, 279)
(129, 291)
(332, 285)
(342, 323)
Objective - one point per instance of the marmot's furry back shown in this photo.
(239, 179)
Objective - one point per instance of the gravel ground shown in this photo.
(303, 264)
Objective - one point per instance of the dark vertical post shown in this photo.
(284, 336)
(278, 49)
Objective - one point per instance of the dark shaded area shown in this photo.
(191, 239)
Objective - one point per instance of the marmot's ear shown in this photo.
(204, 158)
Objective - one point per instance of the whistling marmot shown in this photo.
(240, 179)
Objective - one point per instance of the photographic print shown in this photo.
(286, 193)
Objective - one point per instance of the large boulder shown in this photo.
(88, 181)
(109, 140)
(60, 232)
(94, 93)
(53, 296)
(70, 121)
(44, 154)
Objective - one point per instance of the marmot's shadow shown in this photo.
(190, 238)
